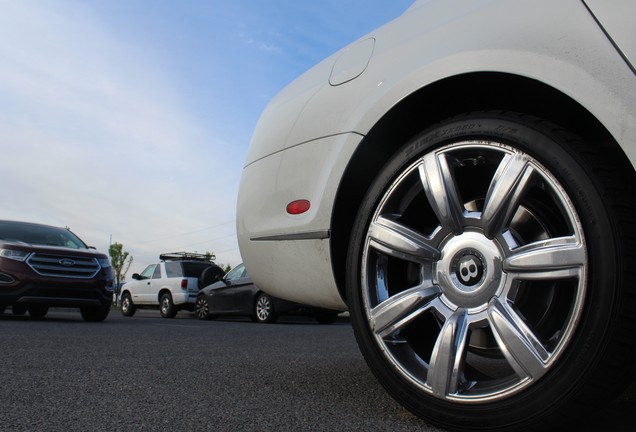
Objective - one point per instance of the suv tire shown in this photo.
(19, 309)
(128, 308)
(95, 313)
(38, 311)
(167, 307)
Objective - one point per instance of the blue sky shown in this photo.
(129, 120)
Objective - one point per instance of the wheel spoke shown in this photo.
(396, 312)
(400, 241)
(524, 352)
(560, 257)
(438, 181)
(504, 193)
(448, 355)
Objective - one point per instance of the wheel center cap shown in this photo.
(468, 266)
(469, 271)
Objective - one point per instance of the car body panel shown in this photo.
(570, 58)
(265, 223)
(564, 49)
(232, 297)
(619, 25)
(236, 294)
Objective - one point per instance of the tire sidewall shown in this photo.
(576, 366)
(130, 309)
(170, 310)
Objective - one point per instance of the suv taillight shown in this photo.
(184, 284)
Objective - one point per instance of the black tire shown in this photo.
(19, 309)
(128, 308)
(264, 309)
(95, 313)
(167, 307)
(38, 311)
(2, 308)
(326, 318)
(210, 275)
(488, 281)
(202, 308)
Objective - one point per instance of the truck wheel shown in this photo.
(168, 309)
(128, 308)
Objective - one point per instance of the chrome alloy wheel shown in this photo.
(473, 272)
(263, 308)
(201, 308)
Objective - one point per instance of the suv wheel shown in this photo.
(19, 309)
(264, 309)
(128, 308)
(167, 308)
(38, 311)
(95, 313)
(490, 282)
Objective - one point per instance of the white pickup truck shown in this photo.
(170, 285)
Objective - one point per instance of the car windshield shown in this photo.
(236, 272)
(39, 235)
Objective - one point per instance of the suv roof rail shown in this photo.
(187, 256)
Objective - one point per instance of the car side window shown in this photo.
(157, 273)
(236, 272)
(148, 271)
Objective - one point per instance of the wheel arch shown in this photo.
(443, 99)
(257, 294)
(163, 291)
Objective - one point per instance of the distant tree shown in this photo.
(120, 260)
(226, 267)
(209, 256)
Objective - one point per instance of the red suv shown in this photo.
(43, 266)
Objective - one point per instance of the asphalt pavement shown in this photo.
(146, 373)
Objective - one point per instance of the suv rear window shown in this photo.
(194, 269)
(173, 269)
(185, 268)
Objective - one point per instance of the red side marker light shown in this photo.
(298, 207)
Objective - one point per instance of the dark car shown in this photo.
(43, 266)
(236, 294)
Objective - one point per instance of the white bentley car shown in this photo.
(463, 181)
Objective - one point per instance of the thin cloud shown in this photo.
(129, 121)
